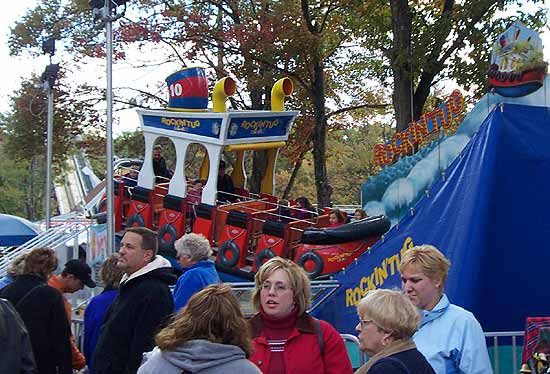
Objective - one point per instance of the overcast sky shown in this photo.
(16, 67)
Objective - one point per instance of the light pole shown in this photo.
(102, 12)
(48, 79)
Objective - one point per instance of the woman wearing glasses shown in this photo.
(387, 321)
(286, 339)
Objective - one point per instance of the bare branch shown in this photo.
(355, 107)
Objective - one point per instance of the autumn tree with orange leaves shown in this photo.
(332, 49)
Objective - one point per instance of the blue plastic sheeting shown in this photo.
(489, 216)
(15, 230)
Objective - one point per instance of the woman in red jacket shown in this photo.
(287, 340)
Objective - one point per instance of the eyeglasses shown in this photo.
(279, 287)
(365, 322)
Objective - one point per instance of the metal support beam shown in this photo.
(49, 89)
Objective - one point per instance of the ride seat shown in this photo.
(140, 212)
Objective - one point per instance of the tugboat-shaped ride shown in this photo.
(251, 230)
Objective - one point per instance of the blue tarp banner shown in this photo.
(489, 215)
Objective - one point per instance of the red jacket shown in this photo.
(302, 354)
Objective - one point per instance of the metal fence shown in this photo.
(505, 349)
(504, 356)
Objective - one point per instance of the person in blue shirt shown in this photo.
(449, 336)
(193, 253)
(95, 312)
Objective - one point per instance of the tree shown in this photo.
(253, 41)
(25, 132)
(13, 182)
(423, 42)
(332, 49)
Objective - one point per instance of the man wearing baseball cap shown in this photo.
(74, 277)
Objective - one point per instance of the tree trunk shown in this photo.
(290, 184)
(441, 30)
(422, 93)
(324, 189)
(259, 164)
(401, 62)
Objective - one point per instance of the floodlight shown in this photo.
(50, 74)
(48, 46)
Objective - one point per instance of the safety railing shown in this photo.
(356, 357)
(78, 332)
(51, 238)
(504, 356)
(502, 362)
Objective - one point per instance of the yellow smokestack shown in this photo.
(222, 90)
(283, 87)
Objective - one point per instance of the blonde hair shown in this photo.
(17, 266)
(299, 282)
(212, 314)
(429, 260)
(391, 311)
(110, 273)
(195, 246)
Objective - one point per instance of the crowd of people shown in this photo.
(137, 325)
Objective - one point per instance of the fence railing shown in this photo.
(504, 362)
(501, 363)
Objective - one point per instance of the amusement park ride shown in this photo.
(248, 232)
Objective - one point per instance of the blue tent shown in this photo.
(15, 230)
(488, 215)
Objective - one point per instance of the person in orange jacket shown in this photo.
(73, 278)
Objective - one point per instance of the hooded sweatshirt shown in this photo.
(144, 302)
(198, 356)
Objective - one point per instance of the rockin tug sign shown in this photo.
(447, 116)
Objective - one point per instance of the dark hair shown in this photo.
(40, 261)
(148, 238)
(361, 212)
(222, 164)
(304, 202)
(212, 314)
(339, 215)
